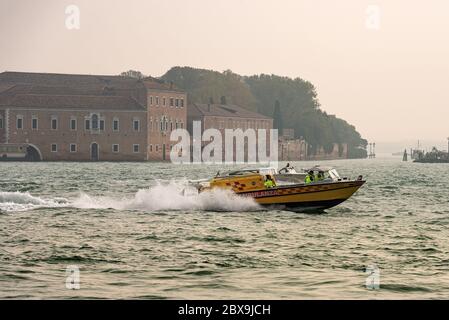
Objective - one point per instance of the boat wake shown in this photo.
(23, 201)
(162, 197)
(170, 197)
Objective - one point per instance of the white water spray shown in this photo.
(23, 201)
(170, 197)
(157, 198)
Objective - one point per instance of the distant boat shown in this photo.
(434, 156)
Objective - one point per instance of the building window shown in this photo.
(73, 124)
(157, 148)
(162, 124)
(136, 125)
(177, 103)
(87, 124)
(135, 148)
(172, 102)
(94, 122)
(34, 123)
(164, 101)
(182, 125)
(19, 122)
(72, 147)
(151, 148)
(157, 101)
(1, 122)
(171, 147)
(115, 148)
(54, 123)
(182, 103)
(151, 100)
(102, 125)
(54, 147)
(171, 125)
(115, 125)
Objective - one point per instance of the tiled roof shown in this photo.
(218, 110)
(5, 86)
(69, 80)
(56, 90)
(61, 91)
(43, 101)
(82, 82)
(153, 83)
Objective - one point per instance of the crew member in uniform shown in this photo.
(319, 176)
(269, 183)
(309, 177)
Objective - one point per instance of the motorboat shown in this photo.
(327, 192)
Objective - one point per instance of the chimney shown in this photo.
(208, 107)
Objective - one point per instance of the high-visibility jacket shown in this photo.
(269, 184)
(309, 179)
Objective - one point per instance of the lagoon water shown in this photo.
(132, 234)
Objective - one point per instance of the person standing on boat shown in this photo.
(309, 177)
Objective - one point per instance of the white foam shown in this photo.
(163, 196)
(170, 197)
(23, 201)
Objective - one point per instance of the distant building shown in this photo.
(77, 128)
(288, 134)
(339, 151)
(290, 148)
(295, 149)
(167, 111)
(222, 117)
(88, 117)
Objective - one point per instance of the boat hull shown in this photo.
(306, 197)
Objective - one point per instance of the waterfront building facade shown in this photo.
(227, 116)
(81, 128)
(88, 117)
(167, 111)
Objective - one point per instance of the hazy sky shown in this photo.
(391, 82)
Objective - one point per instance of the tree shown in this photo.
(300, 111)
(277, 117)
(132, 74)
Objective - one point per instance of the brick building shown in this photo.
(75, 128)
(167, 111)
(89, 117)
(222, 117)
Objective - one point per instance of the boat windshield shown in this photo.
(270, 171)
(334, 174)
(262, 171)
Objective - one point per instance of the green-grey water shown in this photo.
(132, 234)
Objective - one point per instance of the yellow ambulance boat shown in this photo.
(328, 192)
